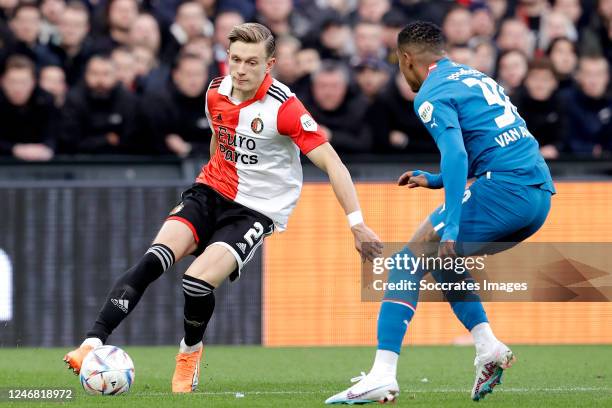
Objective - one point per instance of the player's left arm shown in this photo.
(294, 121)
(438, 112)
(454, 171)
(325, 157)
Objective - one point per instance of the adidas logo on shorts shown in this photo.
(242, 246)
(121, 304)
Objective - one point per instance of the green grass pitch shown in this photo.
(543, 377)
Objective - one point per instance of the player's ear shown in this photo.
(405, 57)
(269, 64)
(409, 59)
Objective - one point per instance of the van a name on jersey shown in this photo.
(512, 135)
(227, 140)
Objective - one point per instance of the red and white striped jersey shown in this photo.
(257, 161)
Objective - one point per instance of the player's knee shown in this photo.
(177, 237)
(425, 233)
(211, 269)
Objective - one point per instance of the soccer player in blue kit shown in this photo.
(480, 135)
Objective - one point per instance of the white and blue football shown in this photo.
(107, 370)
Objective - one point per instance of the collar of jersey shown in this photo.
(225, 88)
(437, 63)
(434, 66)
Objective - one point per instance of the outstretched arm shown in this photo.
(366, 241)
(294, 121)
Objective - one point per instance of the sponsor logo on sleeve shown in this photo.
(308, 123)
(426, 111)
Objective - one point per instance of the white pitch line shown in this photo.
(557, 389)
(419, 391)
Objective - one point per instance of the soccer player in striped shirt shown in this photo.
(247, 190)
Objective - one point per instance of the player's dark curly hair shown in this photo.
(423, 36)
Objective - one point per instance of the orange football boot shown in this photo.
(75, 358)
(187, 372)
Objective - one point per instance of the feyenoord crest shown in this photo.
(257, 125)
(177, 209)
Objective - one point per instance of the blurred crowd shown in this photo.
(128, 76)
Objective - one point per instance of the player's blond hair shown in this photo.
(253, 33)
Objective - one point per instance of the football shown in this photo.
(107, 370)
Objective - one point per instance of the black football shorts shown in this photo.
(216, 220)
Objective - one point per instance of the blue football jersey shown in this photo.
(495, 136)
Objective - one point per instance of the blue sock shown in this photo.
(469, 313)
(393, 321)
(465, 304)
(397, 309)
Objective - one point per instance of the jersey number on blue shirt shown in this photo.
(494, 95)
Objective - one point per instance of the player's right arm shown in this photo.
(325, 157)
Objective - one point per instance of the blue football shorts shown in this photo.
(496, 211)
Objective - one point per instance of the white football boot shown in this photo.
(369, 388)
(490, 368)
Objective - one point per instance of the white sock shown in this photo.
(385, 363)
(184, 348)
(92, 341)
(484, 339)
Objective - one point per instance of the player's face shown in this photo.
(407, 68)
(248, 65)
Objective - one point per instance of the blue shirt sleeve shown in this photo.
(437, 114)
(433, 180)
(454, 170)
(440, 117)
